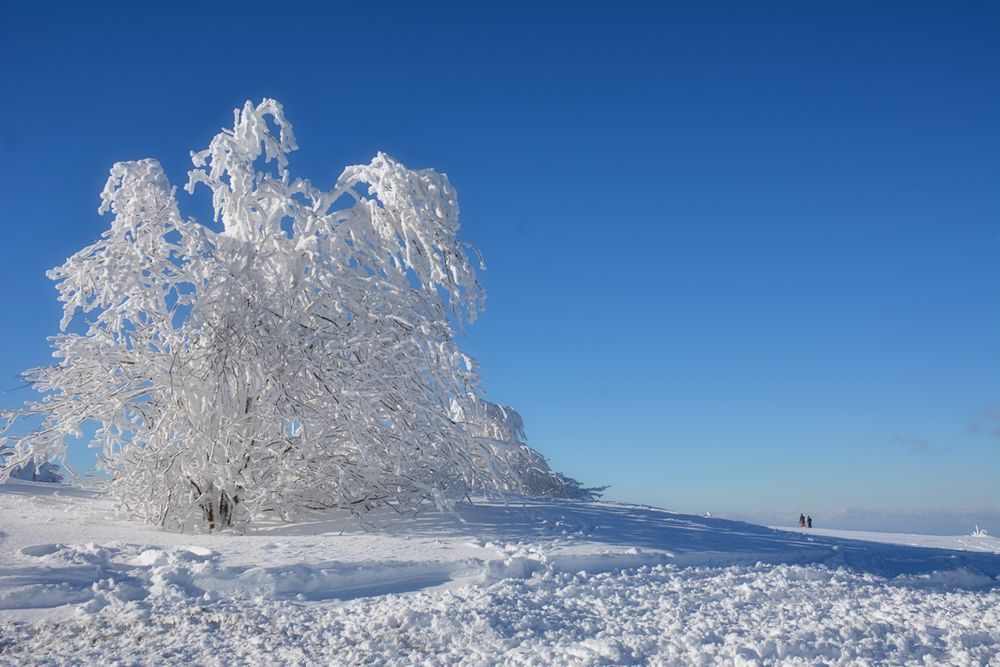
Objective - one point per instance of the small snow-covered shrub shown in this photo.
(46, 471)
(299, 356)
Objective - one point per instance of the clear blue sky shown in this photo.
(742, 256)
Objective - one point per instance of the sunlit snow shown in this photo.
(529, 582)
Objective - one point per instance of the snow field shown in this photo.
(741, 615)
(529, 583)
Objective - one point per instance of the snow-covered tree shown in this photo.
(500, 431)
(301, 357)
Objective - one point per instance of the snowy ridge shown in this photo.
(532, 582)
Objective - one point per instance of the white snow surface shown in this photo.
(528, 582)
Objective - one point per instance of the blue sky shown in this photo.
(741, 257)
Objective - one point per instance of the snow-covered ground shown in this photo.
(538, 582)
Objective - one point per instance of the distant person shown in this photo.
(809, 521)
(802, 521)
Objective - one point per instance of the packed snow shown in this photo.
(527, 582)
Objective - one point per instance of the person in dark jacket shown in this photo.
(809, 521)
(802, 521)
